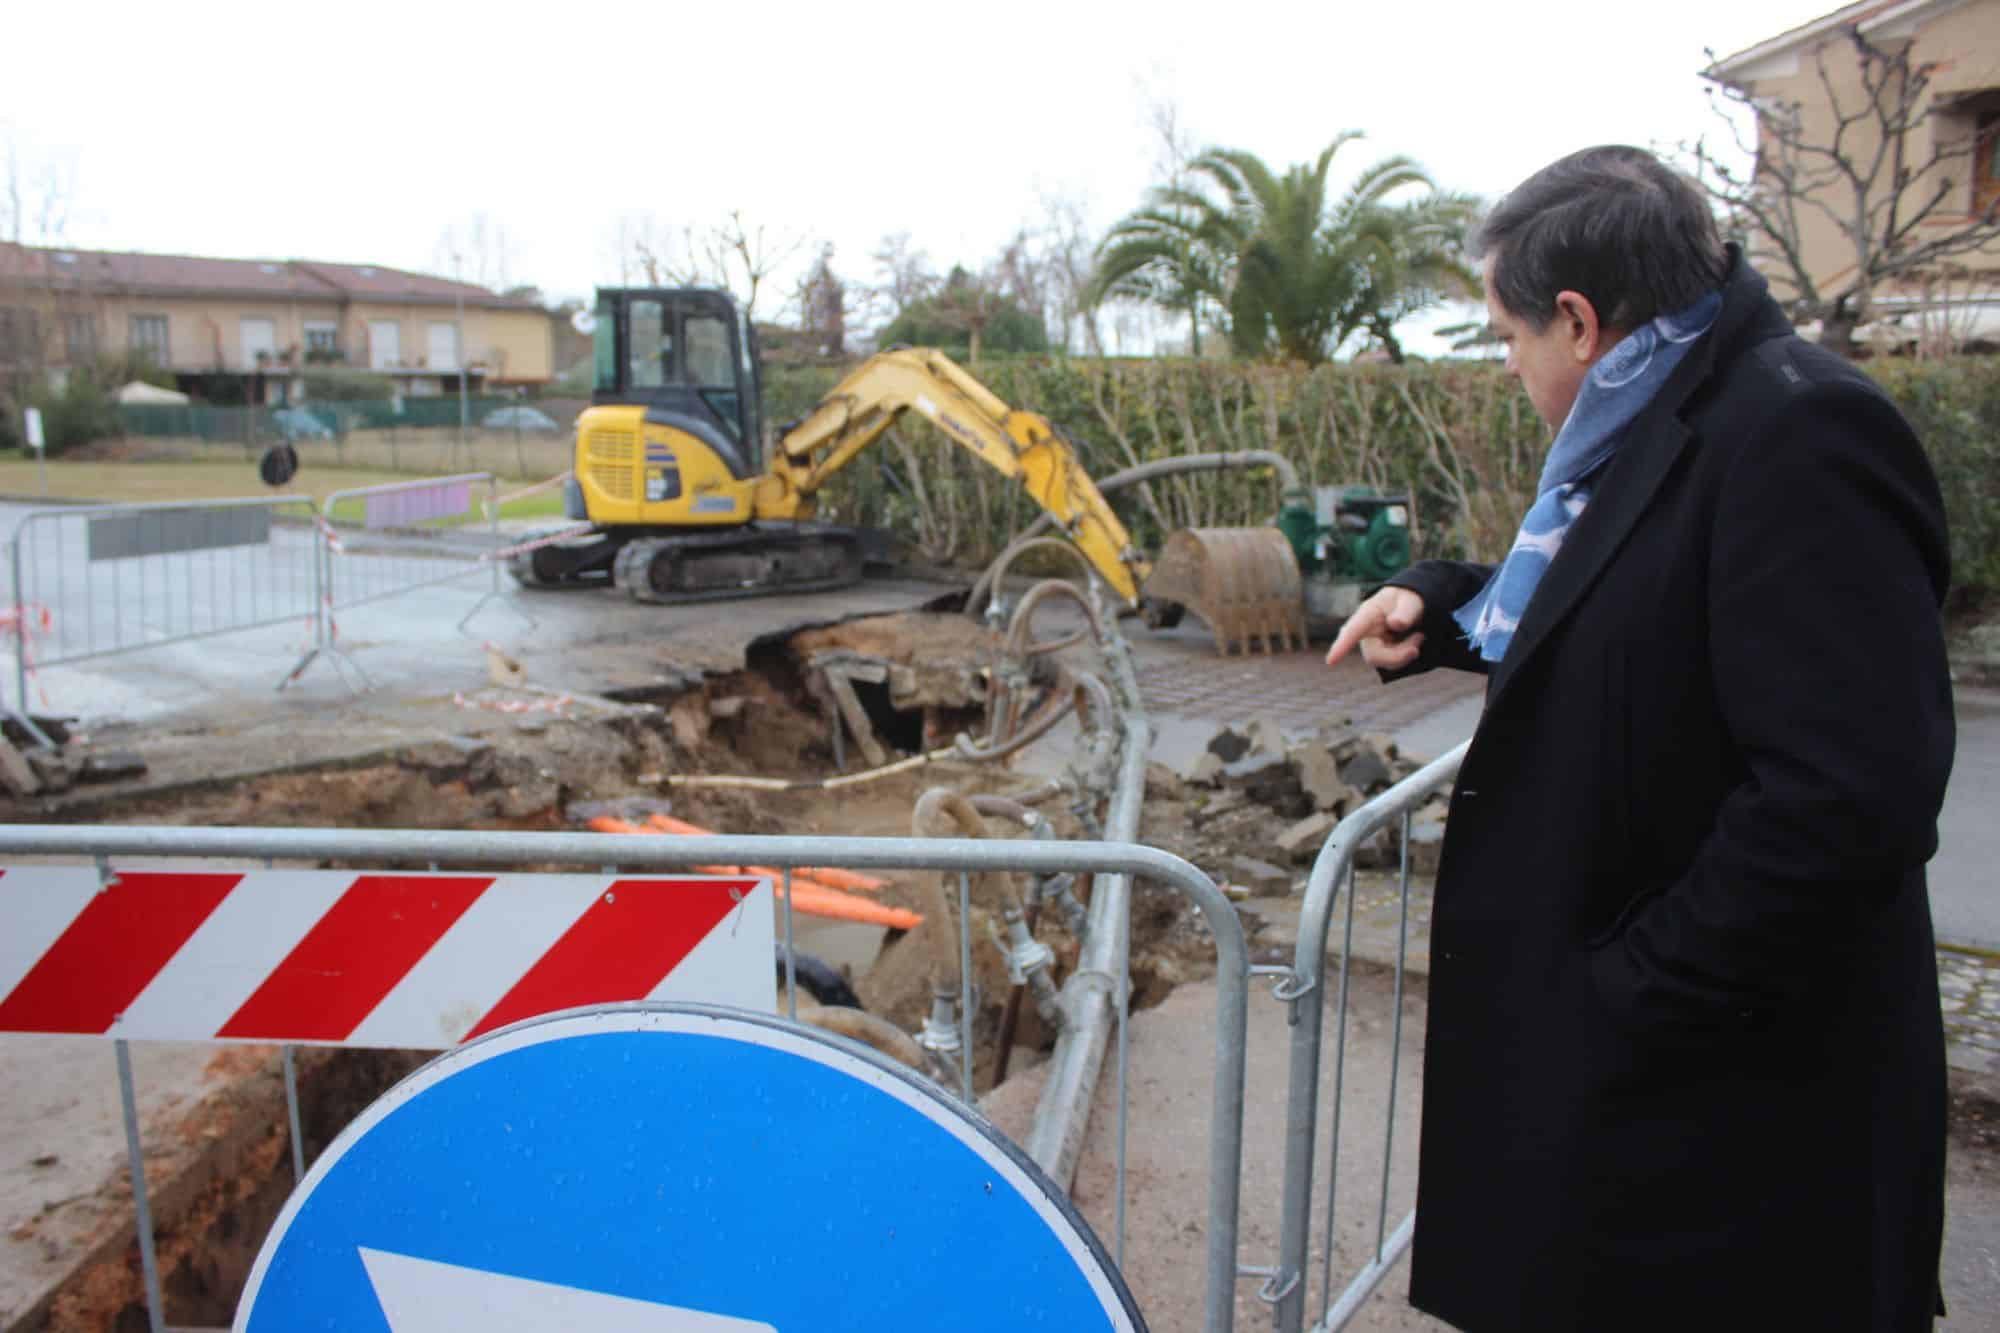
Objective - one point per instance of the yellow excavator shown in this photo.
(684, 503)
(669, 468)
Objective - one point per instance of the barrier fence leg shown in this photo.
(20, 633)
(965, 983)
(292, 1110)
(319, 612)
(1124, 1059)
(791, 965)
(493, 589)
(142, 1219)
(1395, 1046)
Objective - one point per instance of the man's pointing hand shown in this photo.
(1382, 625)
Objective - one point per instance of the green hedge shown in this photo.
(1955, 406)
(1458, 436)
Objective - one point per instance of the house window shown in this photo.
(442, 342)
(80, 337)
(18, 340)
(259, 341)
(322, 342)
(149, 338)
(1986, 163)
(385, 348)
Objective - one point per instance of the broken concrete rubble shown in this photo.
(1253, 767)
(1206, 770)
(1302, 840)
(1267, 736)
(1259, 876)
(1319, 778)
(1367, 771)
(1228, 744)
(1426, 841)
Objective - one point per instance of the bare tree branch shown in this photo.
(1880, 166)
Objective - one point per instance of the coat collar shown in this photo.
(1653, 443)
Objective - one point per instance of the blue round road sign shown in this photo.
(645, 1168)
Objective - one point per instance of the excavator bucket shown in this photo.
(1243, 581)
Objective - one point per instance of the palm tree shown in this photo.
(1176, 253)
(1292, 273)
(1419, 263)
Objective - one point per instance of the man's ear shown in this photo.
(1585, 337)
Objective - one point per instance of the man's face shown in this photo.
(1550, 363)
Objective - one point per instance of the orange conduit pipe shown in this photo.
(808, 896)
(832, 878)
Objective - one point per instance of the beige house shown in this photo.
(260, 324)
(1948, 154)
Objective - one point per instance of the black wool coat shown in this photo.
(1684, 1066)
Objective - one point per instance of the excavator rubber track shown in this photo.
(740, 562)
(579, 562)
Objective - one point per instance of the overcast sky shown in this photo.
(365, 132)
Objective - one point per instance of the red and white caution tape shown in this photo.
(333, 542)
(499, 502)
(23, 620)
(339, 958)
(32, 617)
(548, 539)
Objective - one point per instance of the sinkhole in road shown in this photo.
(912, 683)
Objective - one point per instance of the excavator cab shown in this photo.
(690, 359)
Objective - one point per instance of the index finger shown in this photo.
(1368, 619)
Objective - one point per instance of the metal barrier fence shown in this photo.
(93, 582)
(641, 854)
(420, 435)
(418, 533)
(1288, 1287)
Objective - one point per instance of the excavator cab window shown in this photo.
(711, 367)
(650, 347)
(604, 344)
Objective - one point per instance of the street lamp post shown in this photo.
(459, 337)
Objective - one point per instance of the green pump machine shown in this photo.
(1351, 537)
(1270, 588)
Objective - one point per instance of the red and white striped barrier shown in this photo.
(349, 959)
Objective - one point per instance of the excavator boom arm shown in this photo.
(1022, 445)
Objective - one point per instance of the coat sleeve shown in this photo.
(1827, 564)
(1445, 585)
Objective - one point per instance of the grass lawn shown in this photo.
(155, 482)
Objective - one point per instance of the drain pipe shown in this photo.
(1028, 960)
(939, 1040)
(1058, 889)
(1289, 484)
(1091, 996)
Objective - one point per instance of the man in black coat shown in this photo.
(1684, 1066)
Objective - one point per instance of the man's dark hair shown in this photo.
(1612, 223)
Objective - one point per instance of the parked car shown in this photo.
(520, 418)
(295, 423)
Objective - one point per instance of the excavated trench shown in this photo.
(919, 679)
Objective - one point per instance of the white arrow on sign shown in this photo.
(425, 1296)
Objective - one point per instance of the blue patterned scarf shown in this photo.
(1622, 382)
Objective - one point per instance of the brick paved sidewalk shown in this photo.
(1969, 982)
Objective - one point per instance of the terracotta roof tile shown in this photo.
(306, 280)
